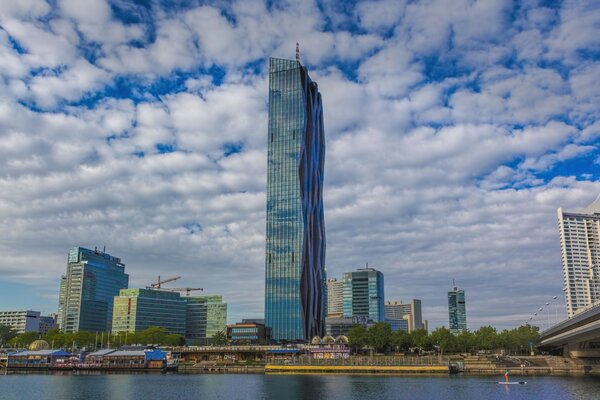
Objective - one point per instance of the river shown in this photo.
(289, 387)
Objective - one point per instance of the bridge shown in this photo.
(577, 337)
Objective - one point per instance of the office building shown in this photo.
(580, 250)
(363, 294)
(335, 298)
(336, 326)
(139, 309)
(48, 322)
(457, 311)
(396, 311)
(87, 290)
(295, 232)
(205, 316)
(248, 333)
(21, 321)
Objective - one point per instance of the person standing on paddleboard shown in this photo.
(506, 375)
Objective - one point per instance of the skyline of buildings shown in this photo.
(457, 311)
(295, 233)
(404, 316)
(580, 253)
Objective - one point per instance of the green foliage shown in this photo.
(357, 337)
(421, 340)
(443, 339)
(24, 339)
(219, 339)
(486, 338)
(6, 334)
(401, 340)
(466, 342)
(379, 336)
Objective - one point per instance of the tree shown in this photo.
(486, 338)
(6, 333)
(444, 339)
(420, 339)
(153, 335)
(219, 339)
(357, 337)
(24, 339)
(401, 340)
(174, 340)
(465, 341)
(379, 335)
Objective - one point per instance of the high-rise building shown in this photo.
(205, 316)
(396, 311)
(335, 298)
(139, 309)
(457, 311)
(580, 248)
(295, 239)
(363, 294)
(48, 322)
(87, 290)
(21, 321)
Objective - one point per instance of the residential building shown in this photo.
(88, 289)
(398, 311)
(21, 321)
(295, 233)
(335, 298)
(363, 294)
(248, 333)
(457, 311)
(205, 316)
(580, 250)
(139, 309)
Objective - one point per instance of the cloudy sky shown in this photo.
(455, 129)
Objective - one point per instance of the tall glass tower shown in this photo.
(88, 289)
(457, 311)
(363, 294)
(295, 249)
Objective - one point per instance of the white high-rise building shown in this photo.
(396, 311)
(335, 298)
(580, 248)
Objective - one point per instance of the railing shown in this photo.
(360, 360)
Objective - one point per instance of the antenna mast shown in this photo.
(297, 51)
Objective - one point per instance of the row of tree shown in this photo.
(91, 340)
(379, 337)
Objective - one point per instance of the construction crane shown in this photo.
(185, 289)
(158, 283)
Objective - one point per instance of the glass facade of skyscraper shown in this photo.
(295, 248)
(139, 309)
(87, 290)
(363, 294)
(457, 311)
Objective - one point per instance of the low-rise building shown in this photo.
(248, 333)
(339, 326)
(48, 322)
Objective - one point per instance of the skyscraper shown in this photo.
(580, 248)
(335, 298)
(87, 290)
(363, 294)
(457, 312)
(295, 245)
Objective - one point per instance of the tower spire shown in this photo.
(297, 51)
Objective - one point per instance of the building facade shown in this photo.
(48, 322)
(139, 309)
(457, 311)
(248, 333)
(87, 290)
(580, 251)
(205, 316)
(21, 321)
(335, 298)
(363, 294)
(396, 311)
(336, 326)
(295, 232)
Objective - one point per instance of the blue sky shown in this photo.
(455, 129)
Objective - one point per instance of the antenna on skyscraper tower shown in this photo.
(297, 51)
